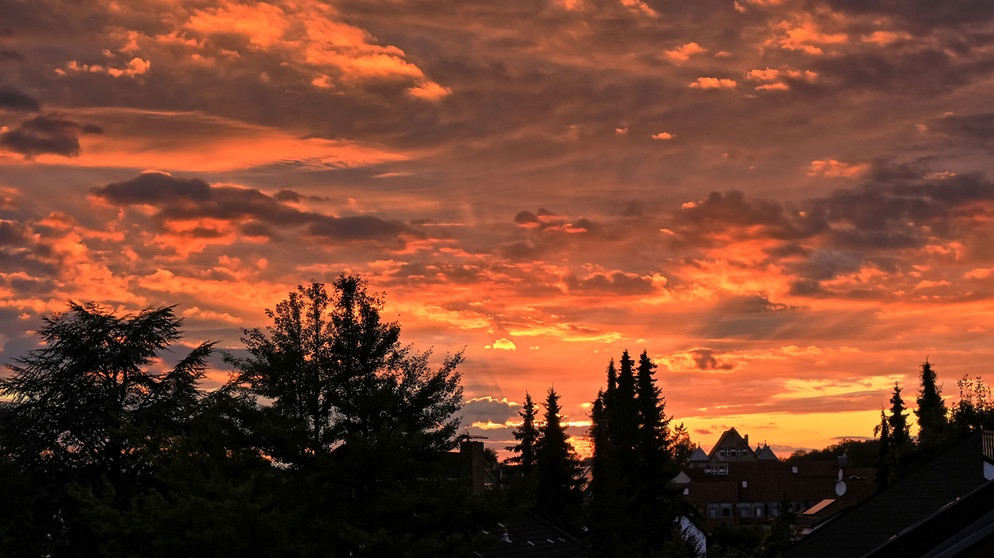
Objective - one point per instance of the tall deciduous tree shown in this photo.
(974, 409)
(527, 436)
(559, 491)
(931, 411)
(336, 372)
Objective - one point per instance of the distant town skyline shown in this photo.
(787, 203)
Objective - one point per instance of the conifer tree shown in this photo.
(653, 424)
(527, 435)
(632, 510)
(559, 492)
(901, 453)
(623, 412)
(654, 465)
(883, 458)
(605, 513)
(931, 410)
(898, 419)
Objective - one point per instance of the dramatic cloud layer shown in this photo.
(788, 203)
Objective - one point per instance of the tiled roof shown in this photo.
(529, 536)
(698, 455)
(863, 528)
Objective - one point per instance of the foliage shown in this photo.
(884, 450)
(975, 409)
(337, 373)
(86, 398)
(88, 408)
(106, 452)
(861, 453)
(559, 474)
(681, 444)
(632, 508)
(527, 435)
(898, 419)
(931, 411)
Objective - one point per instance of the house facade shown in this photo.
(735, 484)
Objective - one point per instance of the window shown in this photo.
(759, 510)
(745, 484)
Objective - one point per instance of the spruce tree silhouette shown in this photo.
(931, 411)
(559, 491)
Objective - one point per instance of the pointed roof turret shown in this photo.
(766, 454)
(698, 456)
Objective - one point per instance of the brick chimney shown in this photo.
(473, 467)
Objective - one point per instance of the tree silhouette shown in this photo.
(336, 372)
(898, 419)
(682, 445)
(87, 398)
(559, 490)
(931, 411)
(89, 410)
(974, 410)
(528, 436)
(884, 453)
(632, 510)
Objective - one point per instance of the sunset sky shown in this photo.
(788, 204)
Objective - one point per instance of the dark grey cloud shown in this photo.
(13, 233)
(614, 283)
(49, 133)
(923, 72)
(704, 359)
(154, 188)
(973, 128)
(192, 198)
(360, 227)
(921, 15)
(752, 317)
(11, 56)
(15, 99)
(489, 410)
(898, 209)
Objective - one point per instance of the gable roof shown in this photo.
(966, 524)
(530, 536)
(730, 439)
(950, 476)
(766, 454)
(698, 455)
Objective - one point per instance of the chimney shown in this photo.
(472, 456)
(747, 440)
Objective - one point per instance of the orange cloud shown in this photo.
(685, 51)
(714, 83)
(837, 169)
(805, 34)
(134, 68)
(197, 143)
